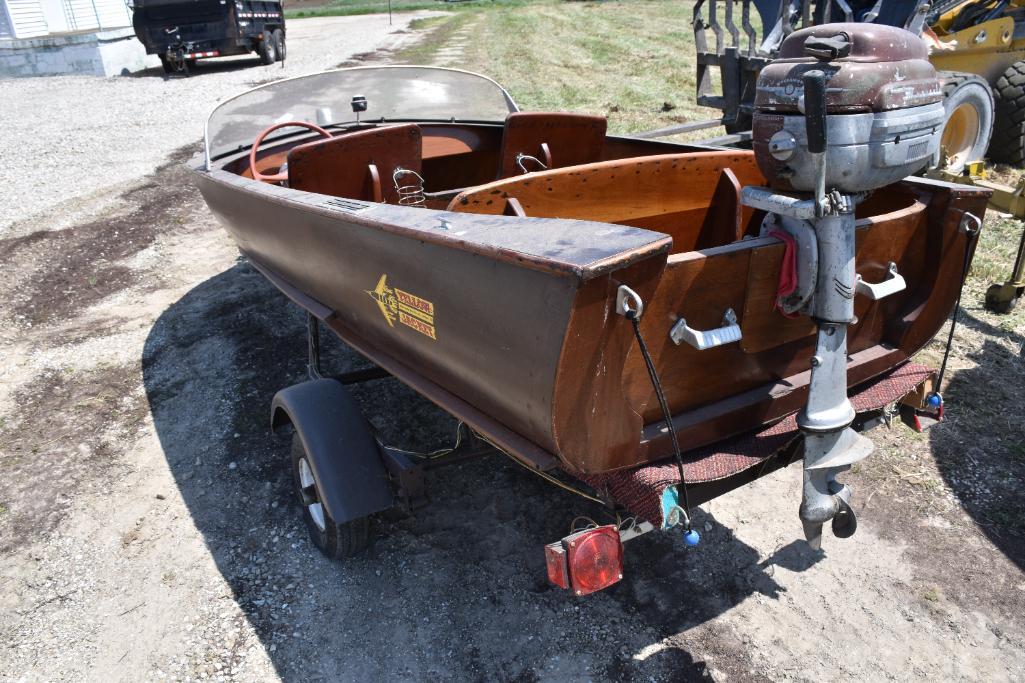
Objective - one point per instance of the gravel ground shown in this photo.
(72, 137)
(148, 529)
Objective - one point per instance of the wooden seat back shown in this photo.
(357, 165)
(558, 139)
(694, 197)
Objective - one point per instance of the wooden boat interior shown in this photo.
(544, 165)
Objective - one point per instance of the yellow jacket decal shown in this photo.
(408, 309)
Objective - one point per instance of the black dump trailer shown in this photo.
(182, 31)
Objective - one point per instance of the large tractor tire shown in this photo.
(969, 126)
(1009, 130)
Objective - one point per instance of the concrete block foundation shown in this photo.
(109, 52)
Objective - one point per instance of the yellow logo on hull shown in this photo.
(409, 309)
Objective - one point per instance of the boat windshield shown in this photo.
(393, 93)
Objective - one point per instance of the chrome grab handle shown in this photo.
(891, 285)
(707, 339)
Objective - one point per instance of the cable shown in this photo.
(631, 315)
(573, 525)
(969, 241)
(540, 473)
(431, 455)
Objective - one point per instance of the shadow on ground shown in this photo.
(984, 462)
(206, 67)
(458, 591)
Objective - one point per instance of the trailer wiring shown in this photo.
(432, 455)
(542, 474)
(591, 524)
(622, 525)
(972, 234)
(442, 452)
(631, 315)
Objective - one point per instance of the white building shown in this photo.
(45, 37)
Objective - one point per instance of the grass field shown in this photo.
(298, 9)
(632, 61)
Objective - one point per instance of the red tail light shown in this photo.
(586, 561)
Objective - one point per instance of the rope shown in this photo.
(972, 234)
(631, 315)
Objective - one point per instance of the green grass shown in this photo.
(631, 61)
(997, 247)
(442, 31)
(350, 7)
(334, 8)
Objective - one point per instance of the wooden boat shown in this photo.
(491, 288)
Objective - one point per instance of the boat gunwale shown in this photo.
(916, 206)
(315, 203)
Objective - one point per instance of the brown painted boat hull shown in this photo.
(508, 321)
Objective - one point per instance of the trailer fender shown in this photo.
(344, 457)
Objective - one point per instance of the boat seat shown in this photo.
(557, 139)
(357, 165)
(694, 197)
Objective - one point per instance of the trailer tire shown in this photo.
(1008, 144)
(336, 541)
(968, 101)
(172, 68)
(267, 50)
(279, 43)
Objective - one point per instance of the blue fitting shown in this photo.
(934, 400)
(691, 538)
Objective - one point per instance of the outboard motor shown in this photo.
(846, 109)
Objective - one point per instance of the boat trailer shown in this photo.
(367, 476)
(820, 160)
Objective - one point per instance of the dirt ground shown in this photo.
(148, 530)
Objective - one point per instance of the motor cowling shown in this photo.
(883, 108)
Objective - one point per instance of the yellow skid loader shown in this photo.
(979, 45)
(985, 38)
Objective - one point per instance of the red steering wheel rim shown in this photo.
(277, 177)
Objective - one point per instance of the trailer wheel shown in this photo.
(279, 43)
(176, 67)
(1009, 132)
(267, 50)
(336, 541)
(968, 101)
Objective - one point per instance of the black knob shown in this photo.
(826, 49)
(815, 109)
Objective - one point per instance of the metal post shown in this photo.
(313, 347)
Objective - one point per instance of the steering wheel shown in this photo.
(277, 177)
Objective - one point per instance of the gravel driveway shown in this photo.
(71, 137)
